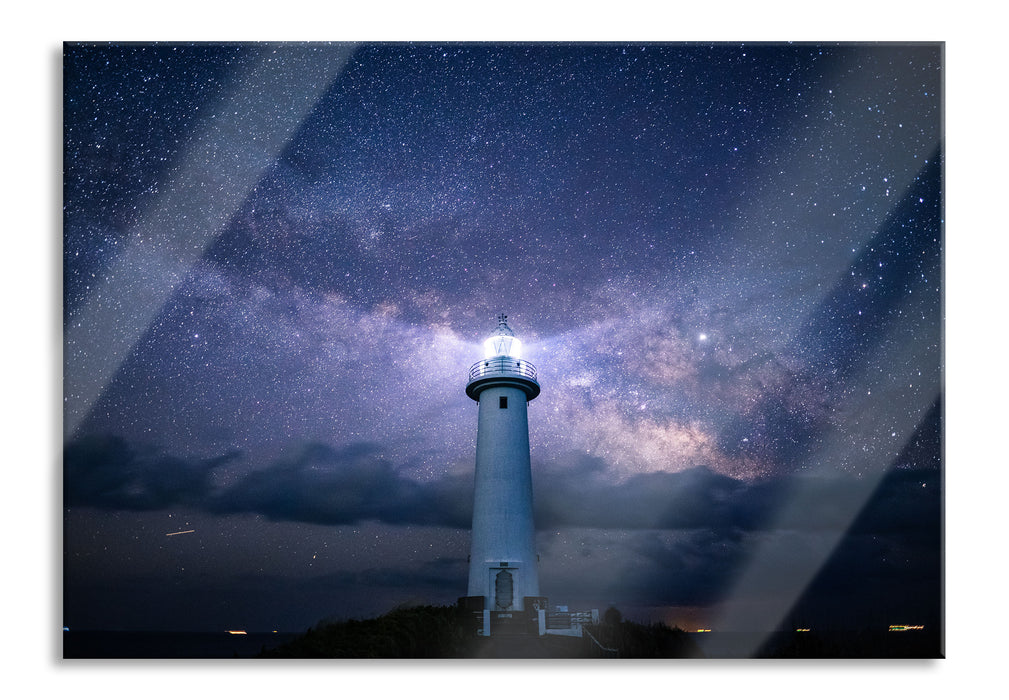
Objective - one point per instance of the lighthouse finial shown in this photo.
(502, 318)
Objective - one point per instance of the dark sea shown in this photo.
(168, 645)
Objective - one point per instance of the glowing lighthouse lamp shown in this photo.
(503, 578)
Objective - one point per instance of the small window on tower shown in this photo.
(502, 402)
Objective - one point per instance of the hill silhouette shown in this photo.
(432, 632)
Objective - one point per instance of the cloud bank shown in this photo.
(324, 485)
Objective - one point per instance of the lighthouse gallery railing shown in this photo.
(504, 365)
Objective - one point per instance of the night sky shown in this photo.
(725, 260)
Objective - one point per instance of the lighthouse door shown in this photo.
(504, 590)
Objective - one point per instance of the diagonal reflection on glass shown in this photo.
(222, 163)
(881, 421)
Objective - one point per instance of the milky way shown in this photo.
(279, 261)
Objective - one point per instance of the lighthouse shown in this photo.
(503, 579)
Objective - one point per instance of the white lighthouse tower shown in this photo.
(503, 579)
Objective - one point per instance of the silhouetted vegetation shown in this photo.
(612, 616)
(632, 640)
(430, 632)
(426, 632)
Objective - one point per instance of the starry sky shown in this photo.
(725, 260)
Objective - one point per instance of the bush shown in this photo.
(426, 632)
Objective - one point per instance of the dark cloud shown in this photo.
(107, 472)
(693, 568)
(319, 485)
(355, 483)
(352, 484)
(886, 564)
(691, 498)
